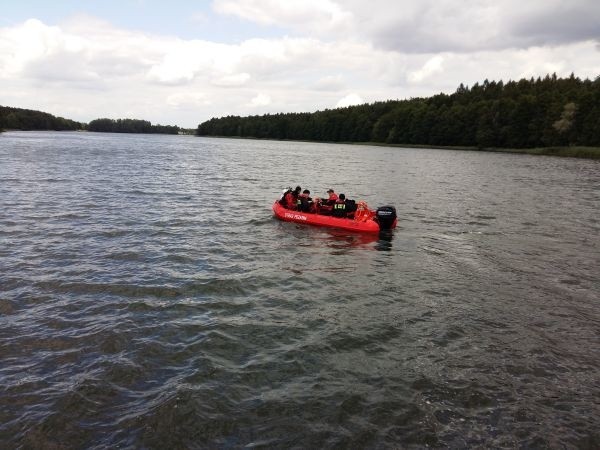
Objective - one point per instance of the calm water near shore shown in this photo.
(148, 298)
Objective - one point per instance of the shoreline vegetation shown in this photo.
(549, 116)
(130, 126)
(31, 120)
(28, 119)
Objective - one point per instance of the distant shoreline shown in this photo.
(182, 132)
(568, 152)
(565, 152)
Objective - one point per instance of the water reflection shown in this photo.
(384, 241)
(339, 242)
(340, 239)
(345, 239)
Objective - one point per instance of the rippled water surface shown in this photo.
(149, 299)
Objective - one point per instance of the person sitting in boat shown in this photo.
(291, 199)
(333, 197)
(282, 199)
(351, 208)
(339, 207)
(305, 202)
(325, 206)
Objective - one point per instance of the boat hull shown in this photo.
(287, 215)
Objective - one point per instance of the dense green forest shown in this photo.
(27, 119)
(540, 112)
(130, 126)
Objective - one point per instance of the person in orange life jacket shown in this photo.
(325, 206)
(339, 207)
(304, 201)
(332, 197)
(291, 199)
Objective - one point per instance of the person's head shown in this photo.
(298, 189)
(342, 197)
(330, 191)
(306, 191)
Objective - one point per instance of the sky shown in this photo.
(184, 62)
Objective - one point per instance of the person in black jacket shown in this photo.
(305, 201)
(339, 207)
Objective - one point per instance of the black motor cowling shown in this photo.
(386, 217)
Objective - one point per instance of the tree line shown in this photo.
(528, 113)
(28, 120)
(130, 126)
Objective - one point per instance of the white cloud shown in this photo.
(187, 99)
(175, 68)
(349, 100)
(316, 15)
(430, 68)
(34, 41)
(417, 26)
(330, 83)
(236, 79)
(260, 100)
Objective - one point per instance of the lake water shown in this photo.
(149, 299)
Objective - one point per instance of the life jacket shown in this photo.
(290, 200)
(333, 197)
(339, 208)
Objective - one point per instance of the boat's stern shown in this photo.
(386, 217)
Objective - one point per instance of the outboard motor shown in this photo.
(386, 217)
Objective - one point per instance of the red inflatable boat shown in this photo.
(364, 220)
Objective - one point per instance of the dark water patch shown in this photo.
(51, 180)
(127, 256)
(8, 284)
(437, 293)
(181, 259)
(80, 413)
(70, 216)
(114, 342)
(6, 307)
(451, 334)
(120, 290)
(265, 220)
(351, 341)
(116, 233)
(124, 374)
(484, 217)
(141, 192)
